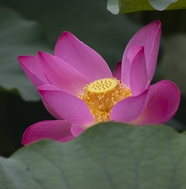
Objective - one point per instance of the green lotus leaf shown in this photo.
(125, 6)
(106, 156)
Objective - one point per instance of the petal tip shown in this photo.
(21, 58)
(65, 34)
(41, 53)
(155, 23)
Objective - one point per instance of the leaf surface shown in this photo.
(106, 156)
(18, 37)
(125, 6)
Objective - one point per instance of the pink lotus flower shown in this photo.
(79, 90)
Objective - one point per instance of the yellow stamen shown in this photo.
(101, 95)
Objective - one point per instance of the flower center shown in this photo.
(101, 95)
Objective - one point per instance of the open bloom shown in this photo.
(79, 90)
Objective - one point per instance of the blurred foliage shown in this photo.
(173, 62)
(109, 155)
(17, 36)
(126, 6)
(16, 116)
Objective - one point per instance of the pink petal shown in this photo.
(138, 71)
(76, 130)
(81, 57)
(32, 68)
(67, 106)
(130, 57)
(164, 99)
(149, 37)
(117, 71)
(130, 108)
(61, 74)
(51, 111)
(52, 129)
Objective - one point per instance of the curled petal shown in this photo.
(51, 111)
(67, 106)
(61, 74)
(49, 108)
(81, 57)
(164, 99)
(52, 129)
(32, 68)
(117, 71)
(138, 72)
(149, 38)
(76, 130)
(130, 108)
